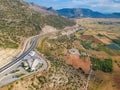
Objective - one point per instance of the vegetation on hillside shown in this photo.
(18, 21)
(86, 44)
(107, 33)
(61, 75)
(105, 65)
(117, 41)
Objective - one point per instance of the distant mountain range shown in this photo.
(72, 12)
(84, 13)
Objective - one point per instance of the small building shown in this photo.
(25, 65)
(32, 53)
(83, 54)
(74, 51)
(36, 64)
(30, 62)
(27, 57)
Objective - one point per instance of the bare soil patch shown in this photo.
(77, 62)
(90, 37)
(6, 55)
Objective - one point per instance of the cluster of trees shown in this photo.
(42, 79)
(86, 44)
(116, 41)
(104, 65)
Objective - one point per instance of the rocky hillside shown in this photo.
(42, 10)
(18, 21)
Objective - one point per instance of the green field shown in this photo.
(114, 46)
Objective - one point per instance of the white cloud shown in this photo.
(98, 5)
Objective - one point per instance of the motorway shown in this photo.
(18, 59)
(5, 72)
(32, 47)
(11, 66)
(11, 77)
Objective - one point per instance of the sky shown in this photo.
(104, 6)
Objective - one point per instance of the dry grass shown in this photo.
(101, 80)
(116, 58)
(90, 32)
(105, 40)
(98, 54)
(106, 81)
(6, 55)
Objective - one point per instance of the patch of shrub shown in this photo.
(105, 65)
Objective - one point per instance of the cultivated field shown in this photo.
(107, 31)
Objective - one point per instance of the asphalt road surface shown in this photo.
(11, 77)
(32, 47)
(11, 66)
(18, 60)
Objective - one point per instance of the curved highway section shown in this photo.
(16, 60)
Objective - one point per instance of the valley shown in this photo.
(90, 41)
(106, 33)
(44, 48)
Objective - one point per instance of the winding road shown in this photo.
(29, 45)
(19, 58)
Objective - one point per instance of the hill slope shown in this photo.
(42, 10)
(18, 21)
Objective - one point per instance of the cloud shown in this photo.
(105, 6)
(116, 1)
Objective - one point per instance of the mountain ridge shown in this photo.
(85, 13)
(76, 12)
